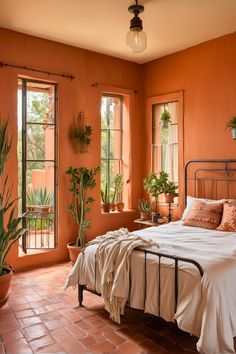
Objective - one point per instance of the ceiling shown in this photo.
(101, 25)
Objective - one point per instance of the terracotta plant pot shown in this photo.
(73, 251)
(113, 206)
(144, 216)
(106, 207)
(5, 281)
(120, 206)
(169, 198)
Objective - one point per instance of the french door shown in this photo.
(37, 163)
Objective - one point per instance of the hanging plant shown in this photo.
(165, 119)
(80, 134)
(231, 124)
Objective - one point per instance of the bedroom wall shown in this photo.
(207, 75)
(74, 96)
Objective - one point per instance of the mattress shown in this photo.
(206, 306)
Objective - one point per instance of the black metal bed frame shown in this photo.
(226, 177)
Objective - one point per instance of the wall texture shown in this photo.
(206, 73)
(74, 96)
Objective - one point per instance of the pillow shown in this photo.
(204, 214)
(190, 202)
(228, 222)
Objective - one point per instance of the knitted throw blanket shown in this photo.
(113, 261)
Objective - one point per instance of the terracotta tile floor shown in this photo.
(40, 317)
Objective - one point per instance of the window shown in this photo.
(37, 162)
(165, 139)
(111, 140)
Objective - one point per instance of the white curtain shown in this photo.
(171, 161)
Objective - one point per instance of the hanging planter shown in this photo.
(80, 134)
(233, 131)
(231, 124)
(165, 119)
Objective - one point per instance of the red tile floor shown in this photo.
(40, 317)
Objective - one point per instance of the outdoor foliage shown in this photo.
(111, 162)
(40, 196)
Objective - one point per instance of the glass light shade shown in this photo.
(136, 41)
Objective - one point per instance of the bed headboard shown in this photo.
(212, 179)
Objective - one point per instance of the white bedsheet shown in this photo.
(207, 306)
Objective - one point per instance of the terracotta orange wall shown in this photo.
(74, 96)
(207, 75)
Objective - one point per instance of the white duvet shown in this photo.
(206, 306)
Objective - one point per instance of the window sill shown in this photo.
(125, 211)
(32, 252)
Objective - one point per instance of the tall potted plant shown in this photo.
(82, 179)
(118, 189)
(106, 205)
(154, 185)
(10, 230)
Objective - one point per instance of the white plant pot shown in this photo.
(233, 130)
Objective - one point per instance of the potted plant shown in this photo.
(118, 185)
(105, 200)
(10, 229)
(170, 191)
(154, 185)
(231, 124)
(113, 204)
(165, 119)
(82, 179)
(80, 135)
(145, 209)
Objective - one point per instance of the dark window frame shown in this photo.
(24, 82)
(108, 160)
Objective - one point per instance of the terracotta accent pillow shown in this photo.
(191, 200)
(228, 222)
(203, 214)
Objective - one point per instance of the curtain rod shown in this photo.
(96, 84)
(71, 77)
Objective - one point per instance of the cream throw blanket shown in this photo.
(113, 259)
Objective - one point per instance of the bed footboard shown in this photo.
(160, 255)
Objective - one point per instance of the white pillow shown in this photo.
(191, 200)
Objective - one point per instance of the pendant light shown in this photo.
(136, 39)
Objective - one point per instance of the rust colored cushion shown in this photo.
(206, 215)
(228, 222)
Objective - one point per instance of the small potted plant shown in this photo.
(145, 209)
(113, 204)
(231, 124)
(154, 185)
(82, 179)
(106, 205)
(118, 183)
(10, 229)
(165, 119)
(170, 192)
